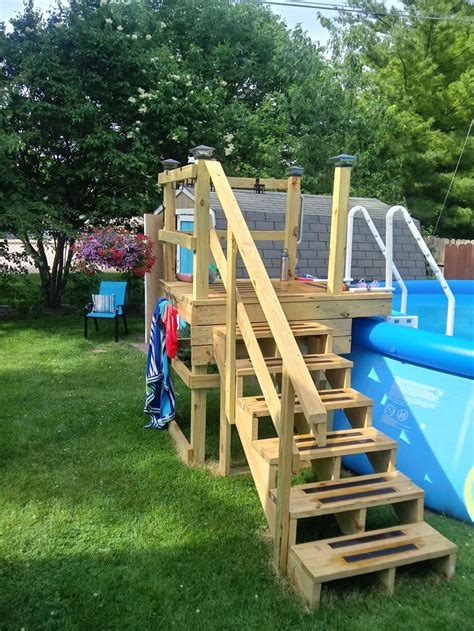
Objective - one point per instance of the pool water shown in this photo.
(432, 309)
(432, 312)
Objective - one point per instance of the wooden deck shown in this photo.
(300, 301)
(289, 336)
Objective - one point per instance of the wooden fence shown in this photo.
(455, 257)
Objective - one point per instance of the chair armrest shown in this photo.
(88, 307)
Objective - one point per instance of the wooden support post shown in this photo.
(224, 426)
(201, 232)
(231, 322)
(224, 435)
(383, 461)
(410, 512)
(285, 465)
(351, 522)
(293, 205)
(198, 420)
(327, 468)
(200, 292)
(340, 211)
(152, 224)
(169, 250)
(445, 566)
(386, 580)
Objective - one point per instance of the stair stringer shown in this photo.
(263, 473)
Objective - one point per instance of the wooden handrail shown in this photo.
(298, 373)
(181, 174)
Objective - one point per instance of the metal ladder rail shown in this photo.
(383, 249)
(389, 265)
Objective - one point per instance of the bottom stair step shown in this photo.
(378, 551)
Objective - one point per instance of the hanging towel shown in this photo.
(160, 397)
(170, 320)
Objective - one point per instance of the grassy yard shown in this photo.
(102, 527)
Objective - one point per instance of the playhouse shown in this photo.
(289, 336)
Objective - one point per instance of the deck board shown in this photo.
(285, 290)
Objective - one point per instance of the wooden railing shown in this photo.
(296, 379)
(286, 344)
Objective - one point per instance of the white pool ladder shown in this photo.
(378, 239)
(390, 266)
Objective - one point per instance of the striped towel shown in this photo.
(160, 398)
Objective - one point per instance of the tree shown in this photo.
(411, 91)
(94, 94)
(66, 83)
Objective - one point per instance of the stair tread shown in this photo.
(340, 443)
(315, 361)
(321, 498)
(339, 398)
(300, 328)
(371, 551)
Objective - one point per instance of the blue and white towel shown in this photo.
(160, 398)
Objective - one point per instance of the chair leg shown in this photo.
(85, 325)
(125, 321)
(96, 324)
(116, 328)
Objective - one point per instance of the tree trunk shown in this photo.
(53, 279)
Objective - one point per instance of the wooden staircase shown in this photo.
(302, 382)
(348, 499)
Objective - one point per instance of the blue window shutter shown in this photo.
(185, 255)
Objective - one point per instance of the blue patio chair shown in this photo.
(108, 288)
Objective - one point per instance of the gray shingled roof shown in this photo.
(272, 201)
(266, 211)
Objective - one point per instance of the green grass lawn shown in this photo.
(102, 527)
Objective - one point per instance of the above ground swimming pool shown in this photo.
(422, 385)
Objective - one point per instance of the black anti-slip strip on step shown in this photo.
(346, 444)
(350, 482)
(364, 556)
(342, 434)
(354, 496)
(381, 536)
(329, 436)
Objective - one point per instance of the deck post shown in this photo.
(200, 291)
(293, 204)
(201, 232)
(231, 323)
(285, 462)
(169, 222)
(152, 224)
(339, 216)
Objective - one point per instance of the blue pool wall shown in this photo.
(422, 386)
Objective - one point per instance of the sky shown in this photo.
(291, 15)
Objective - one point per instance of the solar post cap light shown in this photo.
(202, 152)
(169, 164)
(343, 160)
(294, 170)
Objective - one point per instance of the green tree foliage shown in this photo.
(94, 94)
(411, 92)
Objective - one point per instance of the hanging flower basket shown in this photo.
(113, 249)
